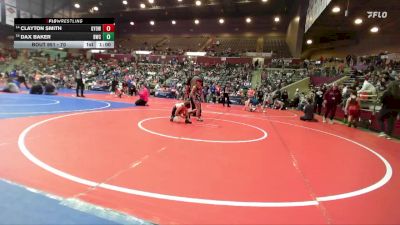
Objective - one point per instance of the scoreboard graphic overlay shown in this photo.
(91, 33)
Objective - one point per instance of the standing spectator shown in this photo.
(318, 100)
(79, 82)
(285, 98)
(212, 91)
(390, 108)
(114, 85)
(260, 95)
(332, 98)
(205, 92)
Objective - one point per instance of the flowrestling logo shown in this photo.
(377, 14)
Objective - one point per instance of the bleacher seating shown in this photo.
(140, 42)
(192, 43)
(278, 47)
(236, 44)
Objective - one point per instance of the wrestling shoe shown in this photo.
(382, 134)
(200, 119)
(171, 119)
(188, 122)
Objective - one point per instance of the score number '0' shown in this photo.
(108, 27)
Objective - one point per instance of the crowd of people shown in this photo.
(221, 83)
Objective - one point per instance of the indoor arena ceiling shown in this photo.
(332, 26)
(163, 10)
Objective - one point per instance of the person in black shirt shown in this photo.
(390, 109)
(318, 100)
(21, 80)
(79, 83)
(285, 98)
(225, 96)
(260, 95)
(114, 85)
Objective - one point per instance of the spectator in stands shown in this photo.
(390, 109)
(296, 99)
(132, 89)
(367, 88)
(352, 109)
(332, 98)
(308, 111)
(11, 87)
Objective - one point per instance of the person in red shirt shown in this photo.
(352, 109)
(332, 98)
(144, 96)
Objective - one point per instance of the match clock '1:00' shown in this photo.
(104, 44)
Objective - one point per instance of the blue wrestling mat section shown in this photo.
(20, 206)
(22, 105)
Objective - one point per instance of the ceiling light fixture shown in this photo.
(77, 5)
(198, 3)
(336, 9)
(221, 21)
(125, 2)
(132, 23)
(173, 22)
(374, 29)
(277, 19)
(309, 41)
(358, 21)
(95, 8)
(196, 21)
(152, 22)
(248, 20)
(142, 5)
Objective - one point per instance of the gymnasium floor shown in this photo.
(106, 158)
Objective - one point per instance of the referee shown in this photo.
(79, 83)
(225, 95)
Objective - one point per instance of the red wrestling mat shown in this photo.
(235, 167)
